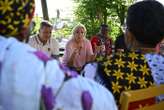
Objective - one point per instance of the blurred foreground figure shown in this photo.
(28, 76)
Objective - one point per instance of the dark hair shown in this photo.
(120, 42)
(104, 26)
(45, 24)
(145, 21)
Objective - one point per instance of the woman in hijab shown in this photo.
(78, 50)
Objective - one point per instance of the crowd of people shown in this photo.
(91, 76)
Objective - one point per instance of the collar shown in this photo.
(37, 38)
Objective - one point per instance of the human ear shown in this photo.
(130, 40)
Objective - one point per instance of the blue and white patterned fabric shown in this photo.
(27, 74)
(156, 63)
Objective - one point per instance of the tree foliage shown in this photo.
(92, 13)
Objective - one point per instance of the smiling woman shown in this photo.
(65, 8)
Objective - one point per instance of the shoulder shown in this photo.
(95, 37)
(155, 61)
(70, 43)
(54, 41)
(109, 38)
(86, 41)
(3, 41)
(20, 52)
(33, 38)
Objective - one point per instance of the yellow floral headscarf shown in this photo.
(15, 16)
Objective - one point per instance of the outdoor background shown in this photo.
(65, 14)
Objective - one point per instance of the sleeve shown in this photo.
(17, 78)
(67, 54)
(31, 41)
(94, 41)
(89, 48)
(108, 46)
(89, 51)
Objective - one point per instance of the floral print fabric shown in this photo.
(124, 71)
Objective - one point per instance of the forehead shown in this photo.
(79, 28)
(45, 28)
(104, 28)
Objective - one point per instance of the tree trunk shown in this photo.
(44, 10)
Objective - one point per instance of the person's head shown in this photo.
(104, 29)
(15, 18)
(45, 30)
(145, 24)
(79, 32)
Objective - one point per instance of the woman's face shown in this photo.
(79, 34)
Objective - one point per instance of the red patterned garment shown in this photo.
(98, 40)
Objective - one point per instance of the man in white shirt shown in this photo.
(43, 40)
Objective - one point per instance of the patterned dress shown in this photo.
(99, 40)
(124, 71)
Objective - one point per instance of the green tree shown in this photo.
(92, 13)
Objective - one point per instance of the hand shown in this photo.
(97, 49)
(102, 48)
(71, 60)
(77, 49)
(75, 52)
